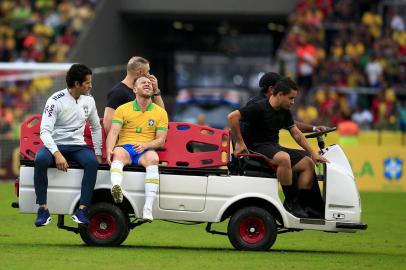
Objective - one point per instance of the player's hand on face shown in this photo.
(154, 82)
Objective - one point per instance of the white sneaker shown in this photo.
(147, 215)
(117, 193)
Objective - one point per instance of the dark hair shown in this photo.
(267, 80)
(284, 85)
(77, 73)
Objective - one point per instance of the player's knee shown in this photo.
(42, 161)
(309, 163)
(118, 155)
(151, 158)
(282, 159)
(92, 164)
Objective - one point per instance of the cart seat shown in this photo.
(253, 164)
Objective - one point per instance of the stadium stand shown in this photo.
(348, 58)
(35, 31)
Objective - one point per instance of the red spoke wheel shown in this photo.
(252, 228)
(103, 225)
(109, 226)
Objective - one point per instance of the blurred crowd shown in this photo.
(350, 62)
(349, 57)
(35, 31)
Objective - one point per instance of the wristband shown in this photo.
(157, 94)
(314, 128)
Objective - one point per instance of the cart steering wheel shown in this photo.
(319, 135)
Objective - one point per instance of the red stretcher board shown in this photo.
(187, 145)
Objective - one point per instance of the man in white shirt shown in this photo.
(374, 72)
(62, 128)
(363, 118)
(396, 23)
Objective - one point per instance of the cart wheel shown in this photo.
(108, 226)
(252, 228)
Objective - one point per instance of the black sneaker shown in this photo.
(81, 216)
(43, 217)
(295, 209)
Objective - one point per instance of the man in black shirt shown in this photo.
(310, 199)
(266, 84)
(266, 118)
(123, 91)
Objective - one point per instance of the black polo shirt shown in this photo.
(119, 95)
(244, 126)
(260, 96)
(265, 122)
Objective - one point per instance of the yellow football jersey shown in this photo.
(137, 125)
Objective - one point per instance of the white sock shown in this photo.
(151, 185)
(116, 172)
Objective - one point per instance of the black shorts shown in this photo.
(270, 149)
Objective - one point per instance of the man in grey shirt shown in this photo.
(62, 128)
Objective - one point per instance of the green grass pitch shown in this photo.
(162, 245)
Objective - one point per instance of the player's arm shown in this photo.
(111, 139)
(159, 140)
(305, 128)
(96, 131)
(115, 128)
(157, 98)
(249, 113)
(47, 126)
(234, 123)
(301, 140)
(114, 100)
(107, 118)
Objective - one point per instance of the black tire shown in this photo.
(108, 226)
(252, 228)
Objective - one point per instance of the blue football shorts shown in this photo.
(135, 157)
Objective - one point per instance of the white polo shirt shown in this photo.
(64, 119)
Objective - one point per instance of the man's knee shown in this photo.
(91, 163)
(151, 158)
(43, 160)
(118, 154)
(282, 159)
(306, 164)
(309, 164)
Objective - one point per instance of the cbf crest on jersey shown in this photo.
(151, 122)
(86, 110)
